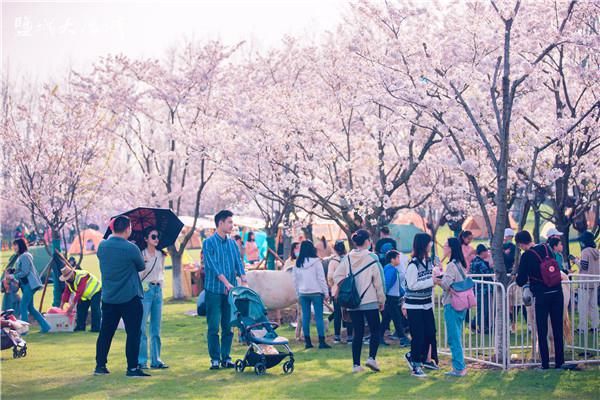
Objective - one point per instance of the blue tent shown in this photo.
(404, 236)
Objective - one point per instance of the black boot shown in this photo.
(307, 343)
(322, 343)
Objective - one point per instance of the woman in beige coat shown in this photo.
(369, 280)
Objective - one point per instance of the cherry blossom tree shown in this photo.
(566, 146)
(268, 116)
(474, 91)
(364, 148)
(170, 112)
(477, 84)
(58, 149)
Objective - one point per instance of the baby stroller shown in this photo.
(10, 334)
(248, 313)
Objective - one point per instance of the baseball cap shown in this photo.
(554, 232)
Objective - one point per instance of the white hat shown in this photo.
(66, 273)
(553, 232)
(509, 232)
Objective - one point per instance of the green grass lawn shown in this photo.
(59, 366)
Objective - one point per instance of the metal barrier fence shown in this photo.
(580, 325)
(484, 340)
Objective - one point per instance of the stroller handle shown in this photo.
(273, 324)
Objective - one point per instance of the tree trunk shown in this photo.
(537, 221)
(524, 213)
(271, 246)
(434, 237)
(501, 195)
(58, 286)
(176, 258)
(287, 245)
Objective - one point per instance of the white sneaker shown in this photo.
(357, 368)
(372, 364)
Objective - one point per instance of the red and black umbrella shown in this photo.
(163, 219)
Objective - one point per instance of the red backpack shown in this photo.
(548, 269)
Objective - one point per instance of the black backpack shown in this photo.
(348, 296)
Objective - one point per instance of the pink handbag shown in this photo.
(462, 296)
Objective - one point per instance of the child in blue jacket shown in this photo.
(394, 273)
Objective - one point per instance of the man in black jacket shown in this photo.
(548, 300)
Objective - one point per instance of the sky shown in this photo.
(42, 40)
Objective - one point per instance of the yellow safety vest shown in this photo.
(93, 285)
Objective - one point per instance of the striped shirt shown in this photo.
(419, 285)
(221, 257)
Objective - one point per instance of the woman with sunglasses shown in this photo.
(152, 278)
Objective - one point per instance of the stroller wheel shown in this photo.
(260, 369)
(288, 367)
(23, 351)
(16, 352)
(240, 365)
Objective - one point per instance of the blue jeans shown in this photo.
(152, 303)
(454, 322)
(28, 307)
(218, 314)
(317, 302)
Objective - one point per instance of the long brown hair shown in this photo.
(420, 243)
(21, 244)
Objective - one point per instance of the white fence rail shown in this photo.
(517, 345)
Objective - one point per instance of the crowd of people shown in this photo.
(396, 289)
(392, 288)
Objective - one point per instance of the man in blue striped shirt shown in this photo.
(222, 263)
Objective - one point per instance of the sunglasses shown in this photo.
(154, 237)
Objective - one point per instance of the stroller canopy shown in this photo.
(246, 305)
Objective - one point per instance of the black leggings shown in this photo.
(422, 332)
(337, 320)
(550, 304)
(358, 323)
